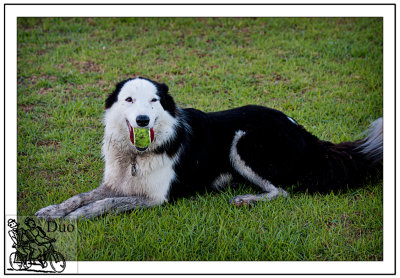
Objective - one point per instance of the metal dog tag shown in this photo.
(133, 170)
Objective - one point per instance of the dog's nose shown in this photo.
(142, 120)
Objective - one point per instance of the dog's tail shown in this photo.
(372, 145)
(336, 166)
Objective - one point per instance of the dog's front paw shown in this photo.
(75, 215)
(50, 212)
(86, 212)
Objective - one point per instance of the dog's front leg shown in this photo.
(112, 205)
(75, 202)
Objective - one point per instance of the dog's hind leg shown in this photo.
(111, 205)
(271, 192)
(75, 202)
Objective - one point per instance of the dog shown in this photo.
(192, 151)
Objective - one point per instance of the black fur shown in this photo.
(166, 100)
(274, 147)
(113, 97)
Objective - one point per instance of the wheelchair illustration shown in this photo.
(33, 247)
(21, 261)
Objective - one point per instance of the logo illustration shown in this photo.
(33, 247)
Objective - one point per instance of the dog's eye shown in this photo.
(128, 99)
(154, 100)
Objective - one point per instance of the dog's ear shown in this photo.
(113, 97)
(166, 99)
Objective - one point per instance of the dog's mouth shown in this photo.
(141, 138)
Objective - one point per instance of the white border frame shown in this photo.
(385, 11)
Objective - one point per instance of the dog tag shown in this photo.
(133, 169)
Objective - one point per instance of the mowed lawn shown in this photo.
(324, 72)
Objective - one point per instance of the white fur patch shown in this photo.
(245, 170)
(142, 91)
(154, 172)
(372, 145)
(292, 120)
(222, 181)
(248, 173)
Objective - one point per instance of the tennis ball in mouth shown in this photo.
(142, 137)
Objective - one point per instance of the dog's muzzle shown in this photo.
(141, 138)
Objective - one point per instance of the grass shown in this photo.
(324, 72)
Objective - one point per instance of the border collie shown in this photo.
(191, 151)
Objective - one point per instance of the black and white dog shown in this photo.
(192, 150)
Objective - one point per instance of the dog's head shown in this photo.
(140, 103)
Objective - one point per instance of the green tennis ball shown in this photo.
(142, 137)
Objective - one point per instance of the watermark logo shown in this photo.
(33, 248)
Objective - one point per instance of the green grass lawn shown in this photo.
(324, 72)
